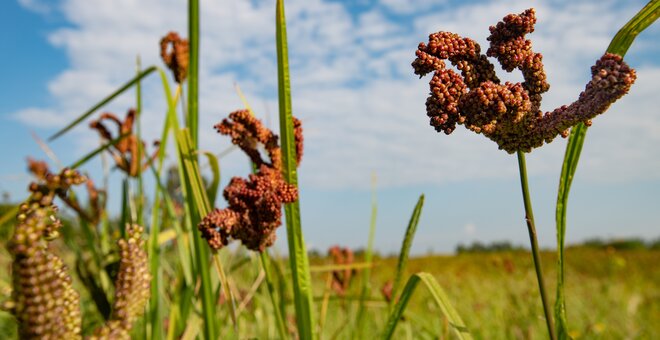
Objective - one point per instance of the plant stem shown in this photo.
(529, 218)
(193, 71)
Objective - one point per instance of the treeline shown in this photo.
(593, 243)
(620, 244)
(496, 246)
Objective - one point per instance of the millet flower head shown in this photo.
(509, 114)
(174, 52)
(128, 152)
(255, 204)
(44, 302)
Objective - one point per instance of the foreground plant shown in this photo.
(44, 301)
(255, 204)
(509, 114)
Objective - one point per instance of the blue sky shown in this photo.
(361, 106)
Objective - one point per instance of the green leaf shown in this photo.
(279, 318)
(97, 151)
(455, 322)
(302, 287)
(619, 45)
(197, 205)
(405, 247)
(106, 100)
(212, 190)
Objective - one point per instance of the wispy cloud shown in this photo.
(352, 84)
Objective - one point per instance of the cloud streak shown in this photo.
(363, 109)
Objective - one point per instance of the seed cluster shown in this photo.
(508, 113)
(131, 287)
(44, 301)
(341, 279)
(46, 305)
(174, 52)
(254, 205)
(126, 152)
(51, 185)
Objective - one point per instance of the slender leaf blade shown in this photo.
(456, 323)
(106, 100)
(302, 288)
(619, 45)
(405, 247)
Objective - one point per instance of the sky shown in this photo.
(361, 106)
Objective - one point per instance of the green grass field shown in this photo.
(611, 295)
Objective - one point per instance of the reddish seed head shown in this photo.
(254, 204)
(509, 114)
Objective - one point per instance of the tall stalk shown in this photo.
(192, 117)
(531, 228)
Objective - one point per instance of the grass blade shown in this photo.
(212, 190)
(455, 321)
(10, 214)
(242, 97)
(140, 149)
(155, 314)
(302, 288)
(103, 102)
(366, 273)
(196, 206)
(627, 34)
(192, 119)
(619, 45)
(97, 151)
(339, 267)
(279, 319)
(405, 247)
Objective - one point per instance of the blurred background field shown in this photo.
(612, 291)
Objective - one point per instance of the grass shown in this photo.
(202, 293)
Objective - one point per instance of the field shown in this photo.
(183, 258)
(612, 294)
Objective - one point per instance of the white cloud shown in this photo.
(39, 117)
(409, 7)
(352, 84)
(470, 229)
(38, 6)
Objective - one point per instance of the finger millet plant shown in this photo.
(174, 285)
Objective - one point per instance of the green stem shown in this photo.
(529, 218)
(193, 71)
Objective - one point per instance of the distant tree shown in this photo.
(496, 246)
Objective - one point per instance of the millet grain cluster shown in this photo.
(254, 205)
(509, 114)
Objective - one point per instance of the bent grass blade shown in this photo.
(439, 296)
(619, 45)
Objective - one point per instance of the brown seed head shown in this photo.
(254, 205)
(174, 52)
(509, 114)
